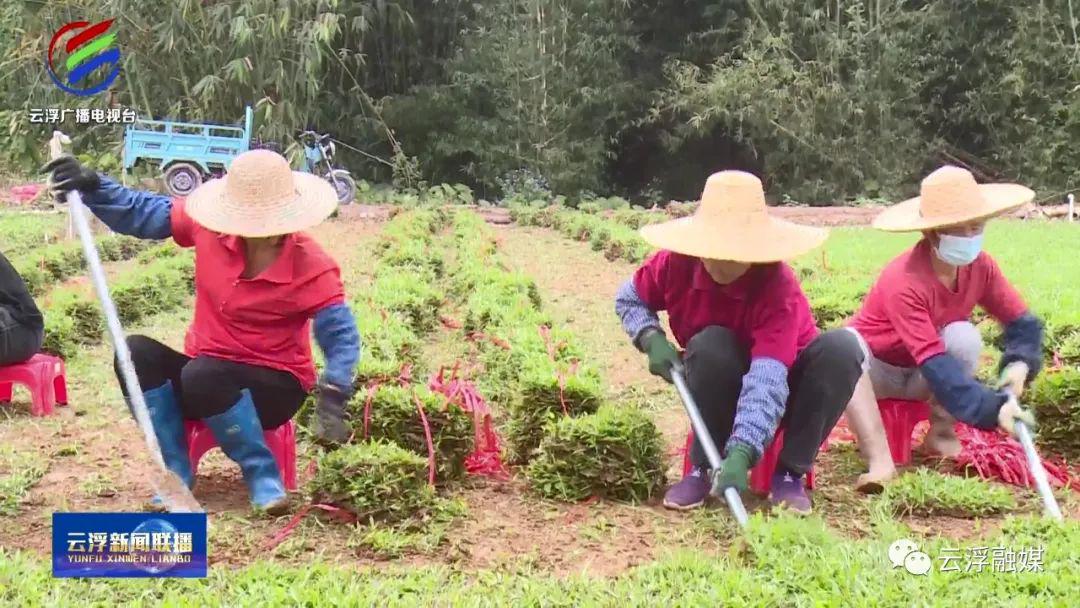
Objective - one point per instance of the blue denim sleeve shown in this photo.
(1024, 342)
(635, 314)
(337, 336)
(136, 213)
(761, 405)
(964, 397)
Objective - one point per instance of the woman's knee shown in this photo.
(145, 358)
(963, 341)
(838, 349)
(716, 353)
(207, 387)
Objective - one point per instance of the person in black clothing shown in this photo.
(22, 328)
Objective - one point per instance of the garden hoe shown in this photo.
(701, 432)
(172, 490)
(1038, 473)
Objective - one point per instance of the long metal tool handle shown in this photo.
(1037, 471)
(701, 432)
(177, 496)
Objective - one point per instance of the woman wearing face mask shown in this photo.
(753, 358)
(916, 322)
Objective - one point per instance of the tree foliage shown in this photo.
(829, 100)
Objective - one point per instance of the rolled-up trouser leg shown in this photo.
(715, 363)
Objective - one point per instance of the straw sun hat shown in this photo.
(732, 223)
(948, 197)
(261, 196)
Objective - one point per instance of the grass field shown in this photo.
(505, 544)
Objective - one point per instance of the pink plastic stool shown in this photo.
(43, 375)
(761, 474)
(281, 441)
(900, 417)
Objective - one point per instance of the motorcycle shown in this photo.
(319, 160)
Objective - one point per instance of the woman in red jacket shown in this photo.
(753, 356)
(261, 286)
(916, 322)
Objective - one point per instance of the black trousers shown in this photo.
(821, 383)
(18, 342)
(208, 386)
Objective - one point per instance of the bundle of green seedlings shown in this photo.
(378, 481)
(614, 239)
(389, 342)
(394, 417)
(408, 291)
(1055, 396)
(927, 492)
(616, 453)
(157, 287)
(73, 316)
(42, 268)
(72, 319)
(27, 231)
(534, 378)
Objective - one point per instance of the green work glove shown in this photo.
(662, 354)
(735, 469)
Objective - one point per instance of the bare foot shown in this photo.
(943, 444)
(874, 481)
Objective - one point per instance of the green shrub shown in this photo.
(376, 480)
(540, 399)
(616, 453)
(394, 417)
(1055, 396)
(927, 492)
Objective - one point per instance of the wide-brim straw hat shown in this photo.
(948, 197)
(261, 196)
(732, 223)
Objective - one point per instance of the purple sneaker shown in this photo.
(691, 492)
(789, 491)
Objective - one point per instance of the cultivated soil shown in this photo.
(94, 455)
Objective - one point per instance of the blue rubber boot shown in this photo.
(240, 435)
(168, 425)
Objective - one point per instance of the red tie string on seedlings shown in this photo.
(993, 455)
(427, 438)
(478, 335)
(338, 513)
(552, 349)
(486, 457)
(403, 379)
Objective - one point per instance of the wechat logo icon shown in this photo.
(904, 553)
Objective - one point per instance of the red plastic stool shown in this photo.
(43, 375)
(281, 441)
(761, 474)
(900, 417)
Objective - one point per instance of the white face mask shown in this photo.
(958, 250)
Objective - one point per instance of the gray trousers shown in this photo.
(962, 341)
(17, 341)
